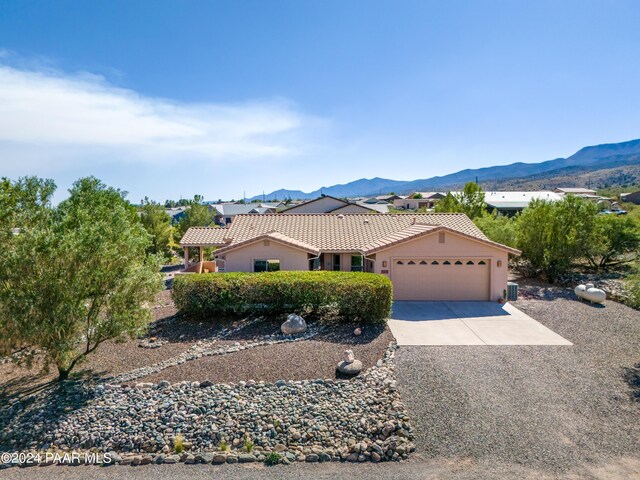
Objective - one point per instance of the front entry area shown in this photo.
(441, 279)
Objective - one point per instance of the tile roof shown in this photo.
(205, 236)
(327, 232)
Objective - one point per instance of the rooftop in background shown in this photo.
(574, 190)
(518, 200)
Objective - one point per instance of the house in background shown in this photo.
(329, 204)
(435, 256)
(633, 197)
(176, 214)
(574, 191)
(226, 212)
(425, 200)
(510, 203)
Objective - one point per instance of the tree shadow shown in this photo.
(30, 414)
(632, 377)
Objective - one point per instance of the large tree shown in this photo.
(470, 201)
(157, 223)
(75, 275)
(196, 215)
(553, 235)
(616, 240)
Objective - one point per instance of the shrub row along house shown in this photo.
(427, 256)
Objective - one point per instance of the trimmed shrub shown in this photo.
(353, 296)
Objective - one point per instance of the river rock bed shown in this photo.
(357, 420)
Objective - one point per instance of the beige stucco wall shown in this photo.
(241, 260)
(454, 247)
(321, 205)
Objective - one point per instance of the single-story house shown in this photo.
(226, 212)
(435, 256)
(176, 214)
(509, 203)
(425, 200)
(633, 197)
(329, 204)
(574, 191)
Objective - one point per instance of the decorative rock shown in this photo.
(294, 324)
(348, 356)
(350, 368)
(246, 458)
(219, 458)
(357, 332)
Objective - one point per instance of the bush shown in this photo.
(354, 296)
(499, 228)
(273, 458)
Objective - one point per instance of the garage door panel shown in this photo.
(440, 279)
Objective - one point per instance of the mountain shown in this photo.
(612, 157)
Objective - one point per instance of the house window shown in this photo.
(227, 220)
(356, 263)
(269, 265)
(336, 262)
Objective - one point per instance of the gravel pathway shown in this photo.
(550, 408)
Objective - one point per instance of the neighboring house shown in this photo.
(435, 256)
(509, 203)
(176, 214)
(426, 200)
(226, 212)
(633, 197)
(574, 191)
(329, 204)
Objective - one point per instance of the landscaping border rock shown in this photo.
(359, 420)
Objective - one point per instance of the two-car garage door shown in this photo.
(440, 278)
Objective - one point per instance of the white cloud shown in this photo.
(46, 116)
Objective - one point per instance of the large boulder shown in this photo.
(294, 324)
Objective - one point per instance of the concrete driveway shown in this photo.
(467, 323)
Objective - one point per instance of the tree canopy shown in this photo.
(470, 201)
(75, 275)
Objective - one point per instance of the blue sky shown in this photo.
(169, 99)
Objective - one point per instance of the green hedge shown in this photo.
(349, 296)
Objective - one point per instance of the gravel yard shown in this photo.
(547, 408)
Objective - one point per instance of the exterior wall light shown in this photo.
(499, 263)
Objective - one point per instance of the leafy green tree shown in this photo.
(157, 223)
(470, 201)
(499, 228)
(553, 235)
(74, 275)
(416, 196)
(196, 215)
(616, 240)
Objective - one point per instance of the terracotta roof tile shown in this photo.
(327, 232)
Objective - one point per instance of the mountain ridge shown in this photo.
(590, 158)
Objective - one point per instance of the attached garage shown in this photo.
(441, 278)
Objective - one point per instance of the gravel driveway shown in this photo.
(546, 408)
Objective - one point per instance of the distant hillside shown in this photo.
(611, 160)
